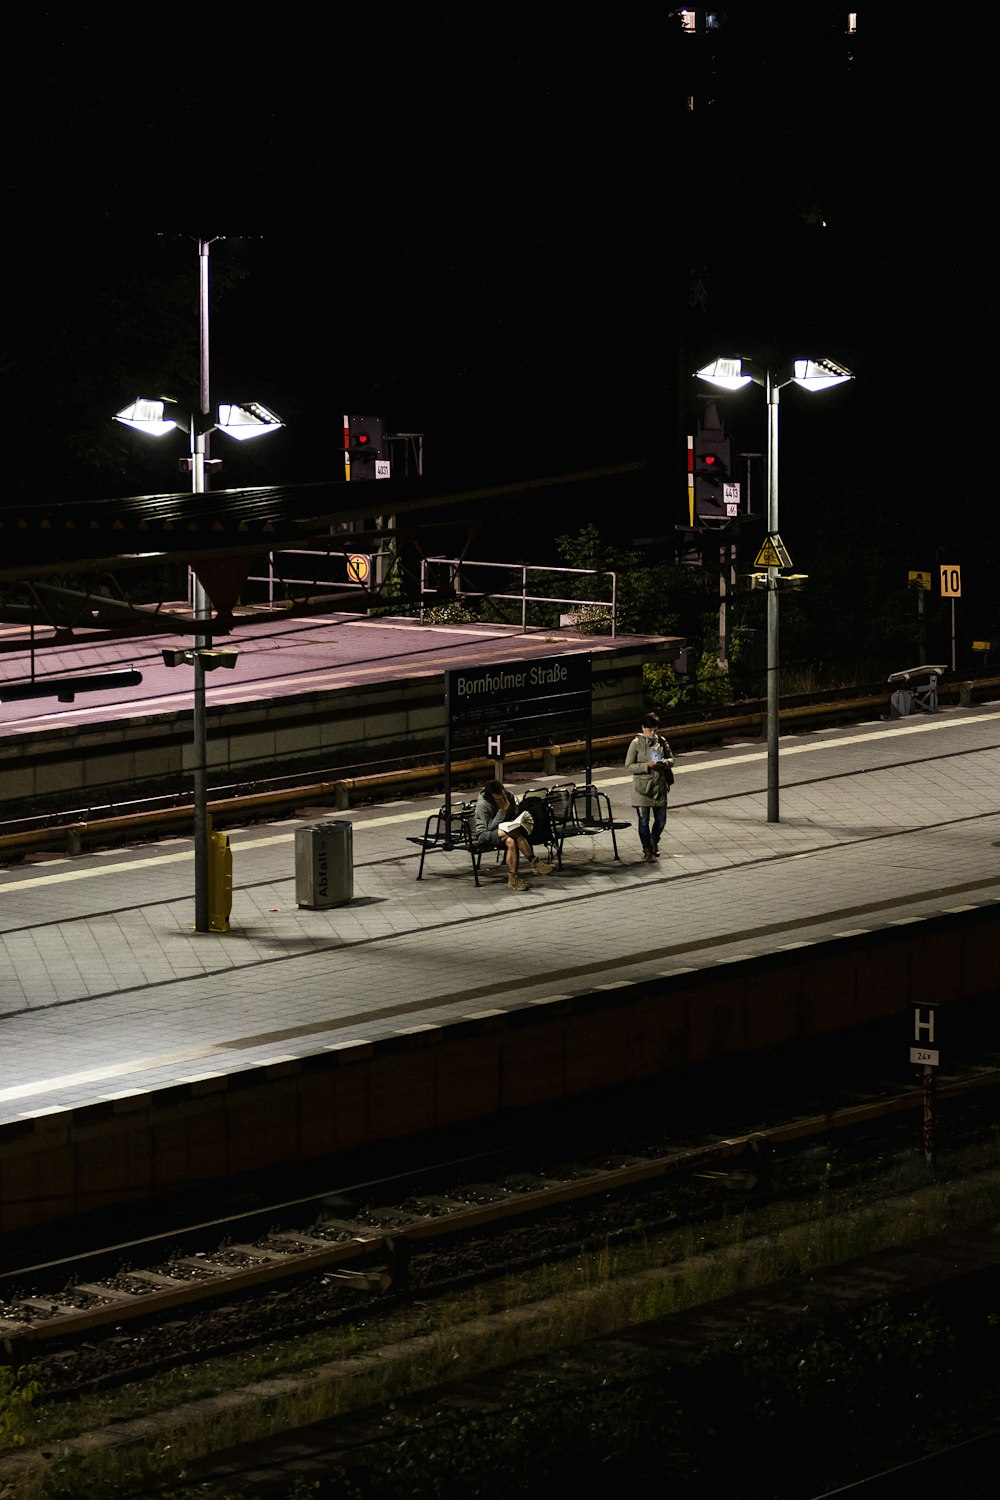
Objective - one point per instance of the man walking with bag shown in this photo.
(649, 759)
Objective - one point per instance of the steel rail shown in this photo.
(70, 831)
(383, 1247)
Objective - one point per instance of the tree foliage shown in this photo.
(652, 596)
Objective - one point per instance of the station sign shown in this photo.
(544, 696)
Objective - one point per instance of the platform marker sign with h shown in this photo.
(924, 1052)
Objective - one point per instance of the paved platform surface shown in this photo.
(106, 990)
(277, 659)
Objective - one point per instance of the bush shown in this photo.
(451, 614)
(18, 1389)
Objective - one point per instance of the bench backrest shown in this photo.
(591, 806)
(559, 801)
(456, 826)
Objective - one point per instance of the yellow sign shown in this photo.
(773, 553)
(918, 580)
(359, 565)
(951, 582)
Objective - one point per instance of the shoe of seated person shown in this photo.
(515, 883)
(541, 867)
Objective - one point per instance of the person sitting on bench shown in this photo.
(494, 807)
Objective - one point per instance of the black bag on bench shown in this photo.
(541, 833)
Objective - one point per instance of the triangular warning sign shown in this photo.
(773, 553)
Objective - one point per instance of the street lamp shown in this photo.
(156, 417)
(732, 373)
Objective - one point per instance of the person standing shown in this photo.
(649, 759)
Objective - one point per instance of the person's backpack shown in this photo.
(541, 833)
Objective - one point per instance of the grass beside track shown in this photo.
(140, 1437)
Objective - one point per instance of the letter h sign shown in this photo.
(925, 1037)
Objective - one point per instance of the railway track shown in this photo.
(362, 1239)
(71, 829)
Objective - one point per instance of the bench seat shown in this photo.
(578, 812)
(447, 832)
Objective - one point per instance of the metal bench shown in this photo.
(577, 812)
(447, 832)
(914, 687)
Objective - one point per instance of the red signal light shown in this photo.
(362, 437)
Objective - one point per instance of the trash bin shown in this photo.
(324, 864)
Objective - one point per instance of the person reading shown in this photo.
(499, 825)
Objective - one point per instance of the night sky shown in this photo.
(512, 234)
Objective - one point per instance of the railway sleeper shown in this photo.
(257, 1252)
(432, 1207)
(109, 1293)
(295, 1237)
(156, 1278)
(200, 1263)
(47, 1307)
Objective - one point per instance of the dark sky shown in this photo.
(509, 233)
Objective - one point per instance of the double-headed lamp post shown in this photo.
(731, 373)
(156, 417)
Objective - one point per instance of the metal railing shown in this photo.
(459, 566)
(277, 581)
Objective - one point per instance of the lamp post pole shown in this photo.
(773, 692)
(199, 449)
(732, 372)
(156, 416)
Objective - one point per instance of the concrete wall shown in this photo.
(365, 1094)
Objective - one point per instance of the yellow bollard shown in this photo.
(220, 882)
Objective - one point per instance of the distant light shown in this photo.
(148, 416)
(727, 373)
(819, 374)
(247, 421)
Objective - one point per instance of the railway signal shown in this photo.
(716, 493)
(366, 446)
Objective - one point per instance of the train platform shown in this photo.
(323, 697)
(108, 994)
(276, 659)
